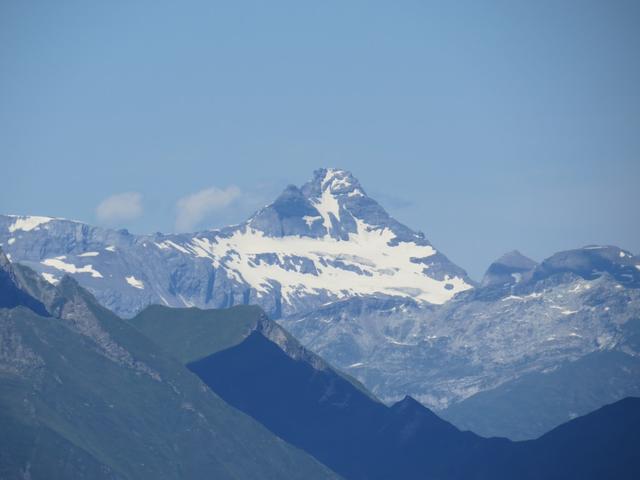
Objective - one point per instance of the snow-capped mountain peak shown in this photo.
(333, 182)
(329, 240)
(333, 204)
(324, 241)
(328, 205)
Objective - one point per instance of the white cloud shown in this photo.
(120, 207)
(193, 208)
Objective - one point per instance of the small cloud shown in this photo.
(193, 208)
(120, 207)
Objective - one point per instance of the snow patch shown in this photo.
(310, 220)
(373, 266)
(164, 300)
(563, 310)
(396, 342)
(168, 244)
(134, 282)
(28, 223)
(110, 248)
(89, 254)
(58, 264)
(531, 296)
(11, 241)
(52, 279)
(337, 183)
(185, 302)
(327, 206)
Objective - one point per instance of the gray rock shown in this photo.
(486, 337)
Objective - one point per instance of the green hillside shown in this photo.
(84, 395)
(191, 333)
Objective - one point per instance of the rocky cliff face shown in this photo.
(572, 305)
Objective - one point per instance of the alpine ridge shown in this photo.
(322, 242)
(519, 339)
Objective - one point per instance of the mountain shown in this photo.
(536, 402)
(11, 295)
(325, 415)
(376, 300)
(255, 366)
(84, 395)
(572, 305)
(322, 242)
(586, 446)
(508, 269)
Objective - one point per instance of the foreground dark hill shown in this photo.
(325, 415)
(267, 374)
(603, 444)
(85, 395)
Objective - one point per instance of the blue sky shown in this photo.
(489, 125)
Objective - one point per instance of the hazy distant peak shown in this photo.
(508, 269)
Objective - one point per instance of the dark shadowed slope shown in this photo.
(303, 400)
(325, 415)
(604, 444)
(362, 439)
(316, 409)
